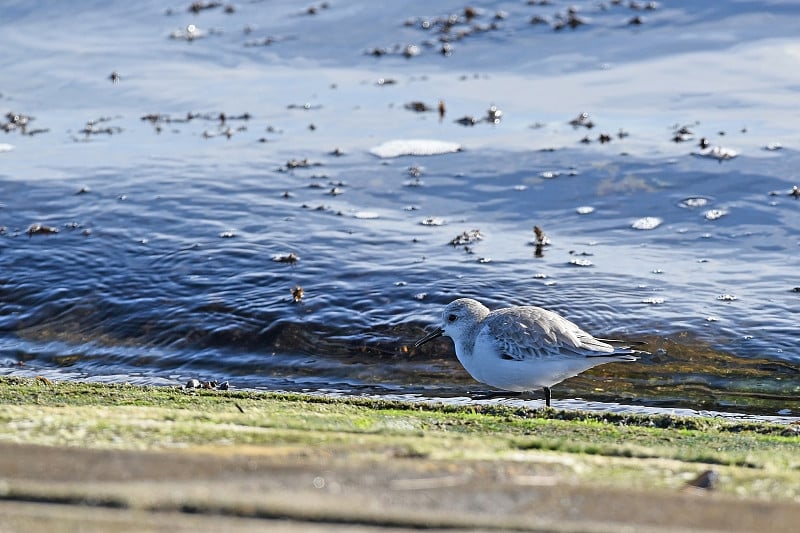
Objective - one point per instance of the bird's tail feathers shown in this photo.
(622, 344)
(621, 347)
(622, 354)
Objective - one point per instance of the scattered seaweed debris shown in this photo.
(226, 132)
(16, 121)
(157, 120)
(603, 138)
(582, 120)
(314, 9)
(418, 107)
(318, 208)
(270, 129)
(719, 153)
(466, 239)
(637, 6)
(297, 293)
(19, 122)
(97, 127)
(307, 106)
(264, 41)
(224, 117)
(569, 19)
(467, 120)
(189, 34)
(194, 383)
(73, 225)
(469, 22)
(415, 171)
(682, 133)
(446, 30)
(433, 221)
(41, 229)
(493, 116)
(298, 163)
(538, 19)
(406, 50)
(540, 241)
(197, 7)
(290, 258)
(411, 50)
(377, 52)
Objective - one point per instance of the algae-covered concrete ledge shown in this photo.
(133, 454)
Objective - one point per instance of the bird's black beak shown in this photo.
(438, 332)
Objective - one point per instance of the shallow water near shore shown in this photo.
(147, 238)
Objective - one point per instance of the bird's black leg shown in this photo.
(547, 396)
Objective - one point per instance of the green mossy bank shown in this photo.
(753, 460)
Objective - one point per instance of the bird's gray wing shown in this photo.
(532, 332)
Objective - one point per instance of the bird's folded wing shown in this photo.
(532, 332)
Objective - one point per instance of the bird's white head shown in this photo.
(459, 319)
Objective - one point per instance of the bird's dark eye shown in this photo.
(451, 318)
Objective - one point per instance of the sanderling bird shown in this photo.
(523, 348)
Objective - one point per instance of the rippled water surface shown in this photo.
(154, 223)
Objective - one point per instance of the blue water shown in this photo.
(163, 267)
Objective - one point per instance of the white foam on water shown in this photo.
(401, 147)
